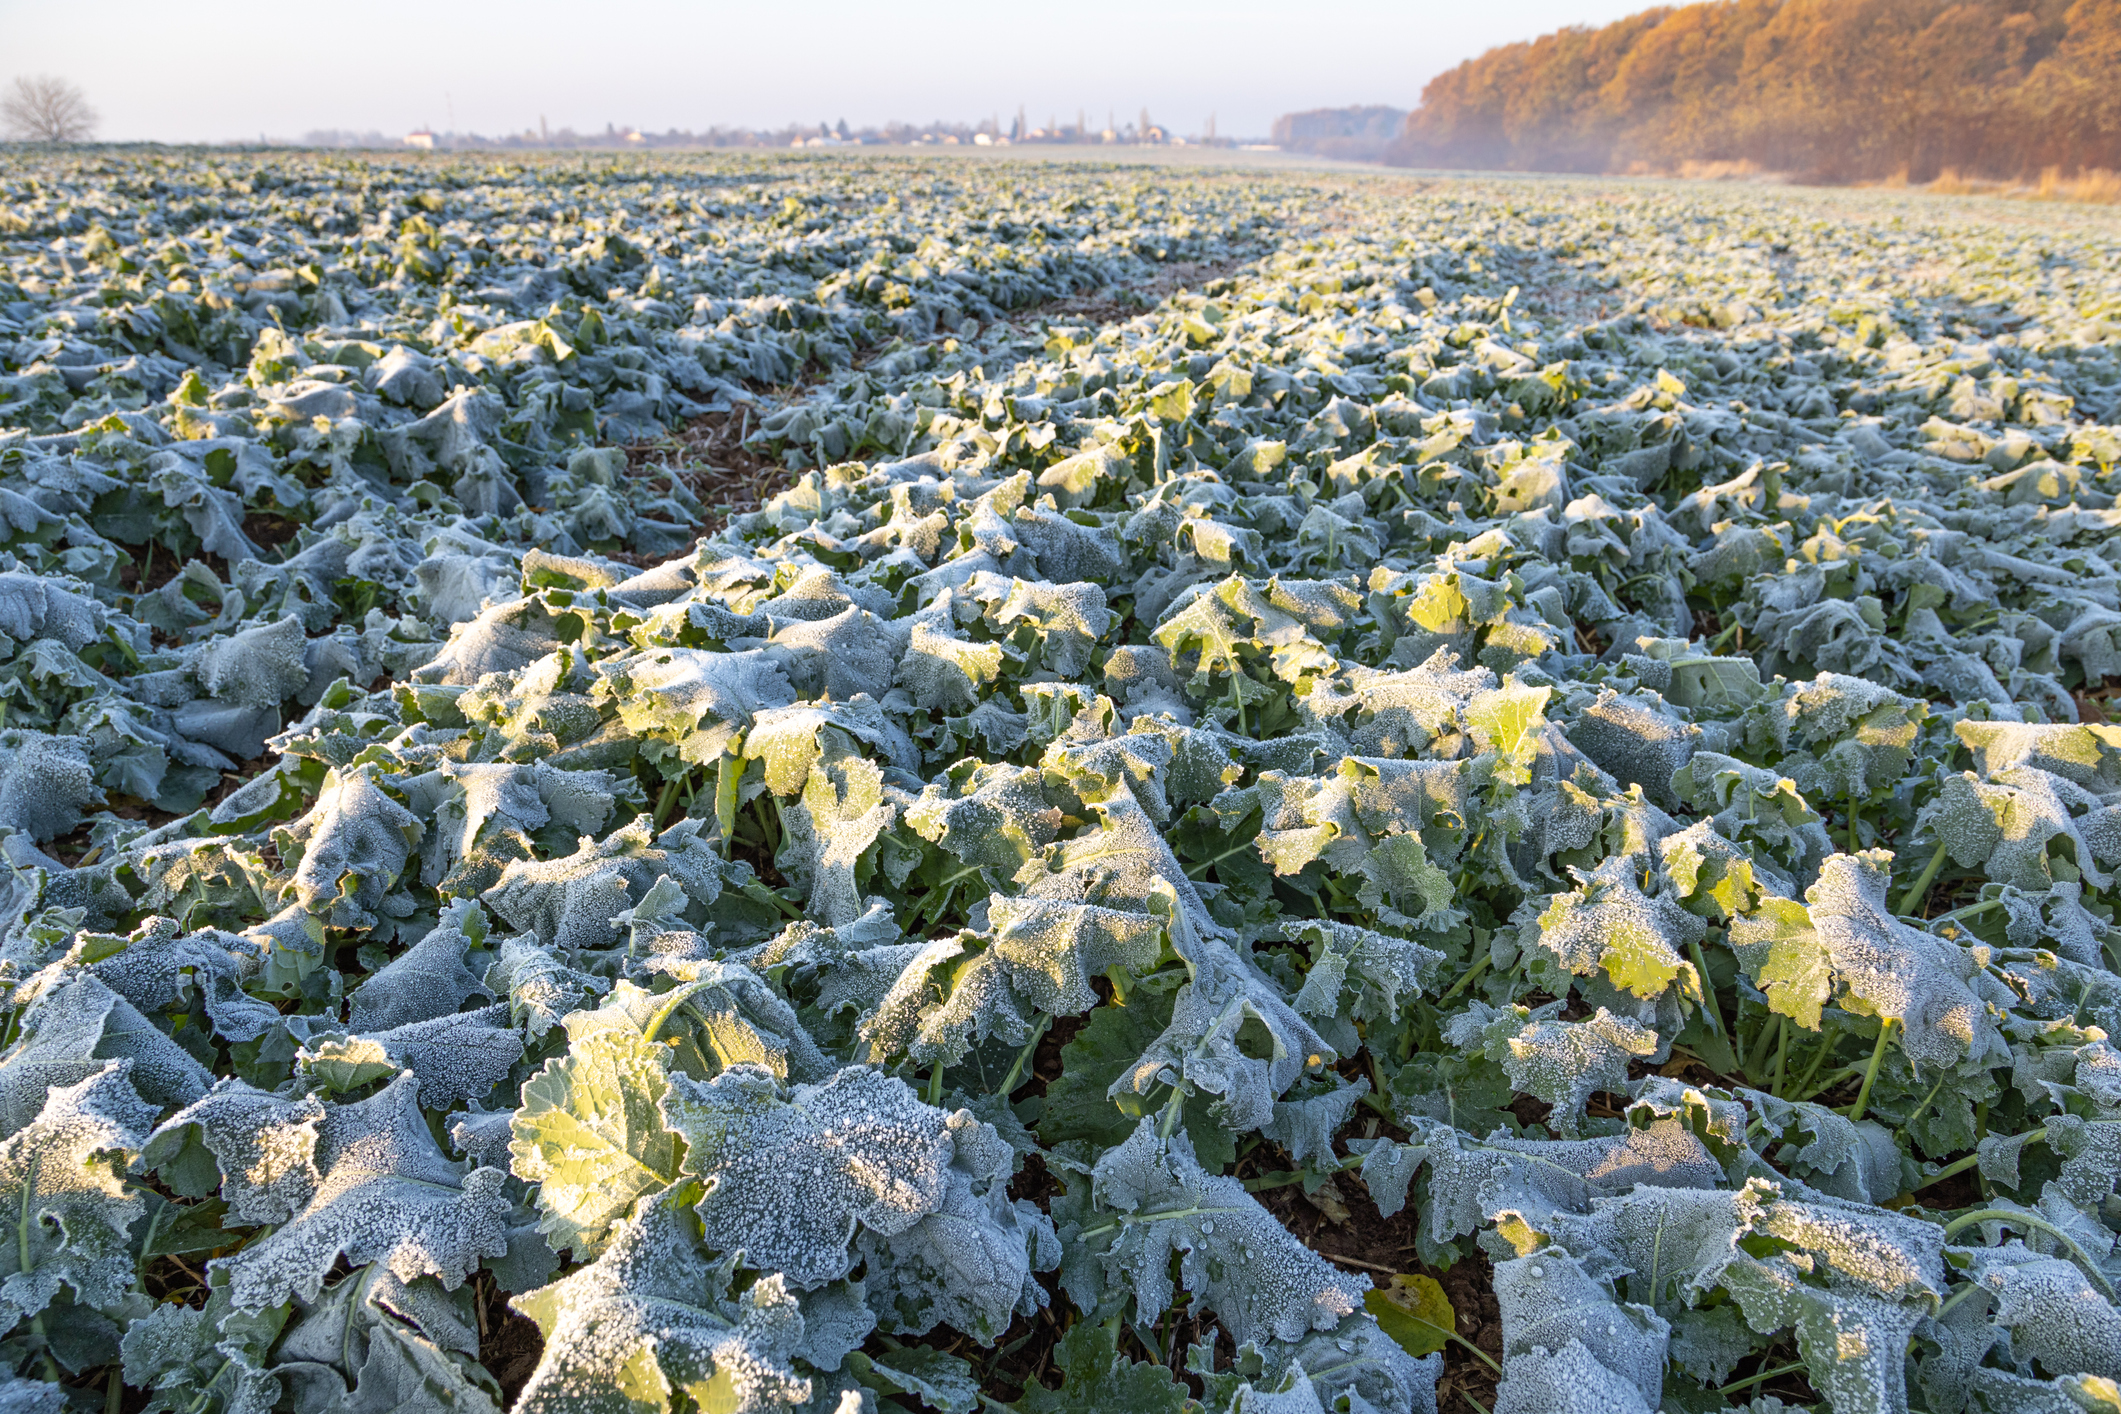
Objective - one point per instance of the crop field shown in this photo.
(863, 785)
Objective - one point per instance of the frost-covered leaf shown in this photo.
(2052, 1311)
(1053, 949)
(209, 1359)
(1148, 1200)
(426, 981)
(373, 1343)
(540, 989)
(1561, 1062)
(73, 1030)
(970, 1262)
(651, 1326)
(61, 1176)
(1569, 1345)
(355, 843)
(792, 1175)
(1895, 971)
(385, 1194)
(1854, 1343)
(1608, 923)
(1371, 967)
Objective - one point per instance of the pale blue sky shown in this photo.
(179, 70)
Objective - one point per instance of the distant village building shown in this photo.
(422, 137)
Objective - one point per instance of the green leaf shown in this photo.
(1097, 1379)
(1508, 722)
(591, 1135)
(1414, 1311)
(1786, 958)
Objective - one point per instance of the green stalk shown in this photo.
(1913, 898)
(1467, 1396)
(1761, 1378)
(729, 773)
(1959, 1166)
(1708, 998)
(1282, 1180)
(1972, 910)
(670, 1006)
(1916, 1112)
(1023, 1057)
(1870, 1072)
(51, 1366)
(1464, 978)
(2083, 1259)
(1167, 1122)
(1782, 1051)
(1855, 811)
(1804, 1086)
(935, 1082)
(667, 798)
(938, 898)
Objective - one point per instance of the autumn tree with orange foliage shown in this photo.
(1824, 89)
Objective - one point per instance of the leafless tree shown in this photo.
(42, 108)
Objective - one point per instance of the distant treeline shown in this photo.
(1821, 89)
(1357, 134)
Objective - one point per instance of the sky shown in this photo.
(221, 70)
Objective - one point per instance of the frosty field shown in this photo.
(725, 784)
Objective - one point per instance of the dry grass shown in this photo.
(2093, 186)
(1742, 169)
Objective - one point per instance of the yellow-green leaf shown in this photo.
(1414, 1311)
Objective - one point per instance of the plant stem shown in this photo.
(1465, 978)
(669, 1008)
(1023, 1057)
(1708, 998)
(2083, 1259)
(729, 774)
(1855, 812)
(666, 799)
(935, 1082)
(1972, 910)
(1913, 898)
(1957, 1166)
(1782, 1052)
(1962, 1165)
(1870, 1072)
(1167, 1122)
(1804, 1086)
(1762, 1377)
(1282, 1180)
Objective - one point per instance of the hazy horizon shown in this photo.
(222, 71)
